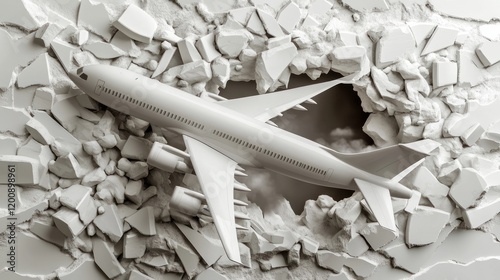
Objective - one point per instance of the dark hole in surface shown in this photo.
(338, 107)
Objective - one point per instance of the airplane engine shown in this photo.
(186, 201)
(168, 158)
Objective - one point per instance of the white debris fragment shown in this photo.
(488, 53)
(271, 64)
(196, 71)
(382, 128)
(94, 177)
(349, 59)
(136, 275)
(421, 31)
(95, 18)
(105, 259)
(136, 148)
(207, 250)
(467, 188)
(134, 245)
(424, 225)
(319, 7)
(24, 165)
(48, 232)
(143, 221)
(37, 73)
(206, 47)
(113, 187)
(469, 74)
(242, 15)
(104, 50)
(68, 222)
(221, 71)
(80, 37)
(188, 51)
(441, 38)
(309, 246)
(232, 42)
(47, 33)
(92, 147)
(444, 73)
(39, 132)
(270, 24)
(137, 24)
(395, 43)
(210, 274)
(133, 191)
(43, 99)
(164, 62)
(255, 25)
(377, 236)
(77, 197)
(364, 6)
(289, 16)
(64, 53)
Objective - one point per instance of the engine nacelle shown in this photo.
(168, 158)
(186, 201)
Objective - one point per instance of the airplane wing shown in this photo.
(379, 200)
(216, 175)
(267, 106)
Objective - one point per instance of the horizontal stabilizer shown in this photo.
(390, 161)
(379, 201)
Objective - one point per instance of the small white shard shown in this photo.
(43, 99)
(105, 259)
(68, 222)
(64, 53)
(461, 38)
(66, 167)
(47, 33)
(39, 132)
(210, 274)
(28, 167)
(242, 15)
(164, 62)
(421, 31)
(77, 197)
(473, 134)
(339, 276)
(137, 24)
(469, 74)
(133, 191)
(319, 7)
(85, 270)
(382, 128)
(134, 246)
(143, 221)
(232, 42)
(124, 43)
(424, 225)
(270, 65)
(377, 236)
(207, 250)
(488, 53)
(21, 13)
(95, 18)
(196, 71)
(367, 6)
(395, 43)
(221, 71)
(136, 275)
(94, 177)
(188, 51)
(104, 50)
(48, 232)
(350, 59)
(289, 17)
(110, 222)
(80, 37)
(444, 73)
(441, 38)
(136, 148)
(309, 21)
(427, 184)
(485, 211)
(255, 25)
(206, 46)
(37, 73)
(18, 120)
(270, 24)
(348, 38)
(87, 102)
(356, 245)
(309, 246)
(188, 258)
(467, 188)
(8, 146)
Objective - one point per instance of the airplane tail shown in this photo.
(393, 163)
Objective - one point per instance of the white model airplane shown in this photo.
(221, 135)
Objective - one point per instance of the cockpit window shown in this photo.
(84, 76)
(79, 70)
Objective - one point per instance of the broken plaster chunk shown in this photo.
(77, 197)
(137, 24)
(485, 211)
(27, 167)
(206, 46)
(255, 25)
(424, 225)
(43, 99)
(330, 260)
(92, 148)
(136, 275)
(395, 43)
(289, 17)
(441, 38)
(134, 245)
(210, 274)
(427, 184)
(68, 222)
(467, 188)
(377, 236)
(350, 59)
(165, 62)
(270, 24)
(48, 232)
(95, 18)
(64, 53)
(208, 251)
(80, 37)
(136, 148)
(188, 258)
(138, 170)
(232, 42)
(270, 65)
(221, 71)
(85, 270)
(421, 31)
(105, 259)
(196, 71)
(39, 132)
(242, 15)
(112, 187)
(45, 34)
(24, 14)
(110, 222)
(66, 167)
(309, 246)
(188, 51)
(143, 221)
(488, 53)
(444, 73)
(133, 191)
(94, 177)
(37, 73)
(104, 50)
(382, 128)
(274, 262)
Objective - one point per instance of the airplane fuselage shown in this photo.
(243, 139)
